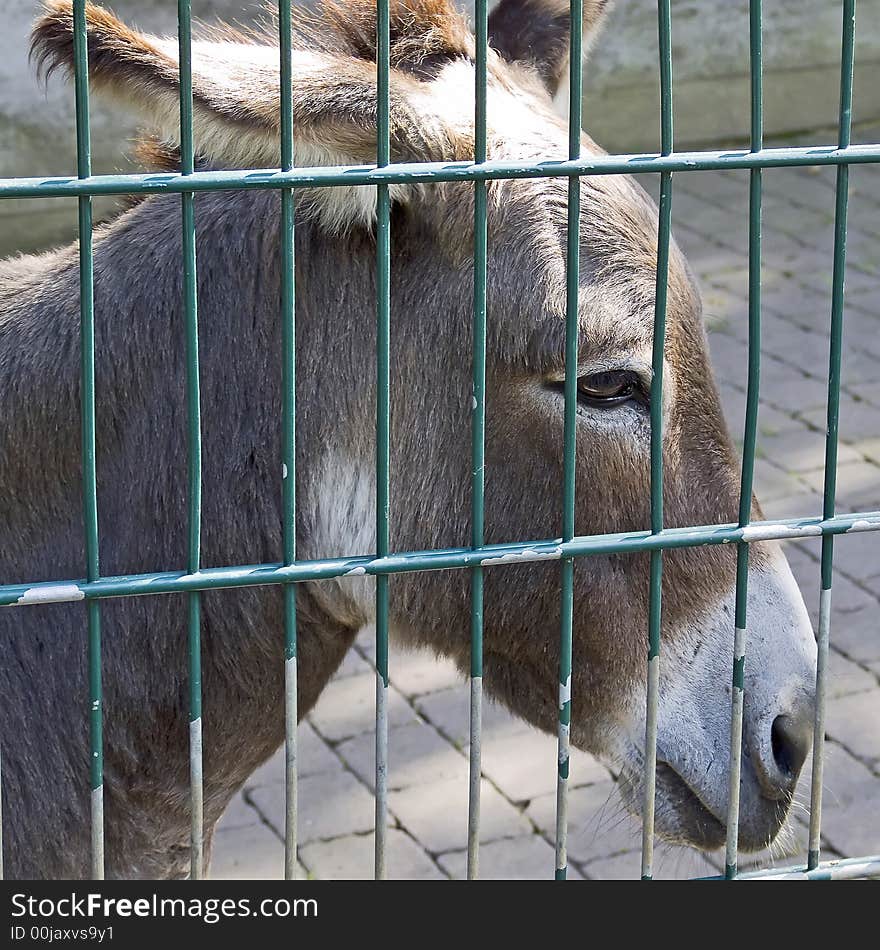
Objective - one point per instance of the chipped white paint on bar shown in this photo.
(475, 764)
(197, 866)
(97, 833)
(563, 734)
(565, 692)
(381, 775)
(650, 775)
(819, 722)
(521, 556)
(51, 594)
(290, 766)
(846, 869)
(863, 524)
(770, 532)
(561, 823)
(283, 470)
(735, 767)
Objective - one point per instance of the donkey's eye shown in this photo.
(609, 389)
(612, 388)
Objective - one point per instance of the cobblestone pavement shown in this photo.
(429, 703)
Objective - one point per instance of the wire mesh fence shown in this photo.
(189, 182)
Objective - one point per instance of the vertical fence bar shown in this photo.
(664, 26)
(572, 287)
(288, 443)
(383, 420)
(194, 441)
(478, 445)
(749, 441)
(829, 501)
(87, 398)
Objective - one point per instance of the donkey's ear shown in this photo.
(235, 84)
(235, 80)
(538, 33)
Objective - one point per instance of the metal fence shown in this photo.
(385, 562)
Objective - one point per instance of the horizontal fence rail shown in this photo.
(490, 555)
(435, 172)
(479, 556)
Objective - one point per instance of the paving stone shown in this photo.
(854, 722)
(800, 450)
(526, 858)
(858, 635)
(313, 757)
(251, 854)
(850, 804)
(417, 754)
(418, 672)
(523, 765)
(436, 814)
(330, 805)
(858, 419)
(449, 711)
(347, 707)
(772, 484)
(239, 814)
(856, 478)
(351, 858)
(846, 677)
(846, 597)
(598, 826)
(804, 504)
(670, 863)
(792, 391)
(803, 349)
(353, 664)
(858, 554)
(773, 422)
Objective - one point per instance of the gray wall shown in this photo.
(711, 71)
(802, 52)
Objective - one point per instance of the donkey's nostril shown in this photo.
(790, 738)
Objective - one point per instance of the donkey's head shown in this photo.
(235, 86)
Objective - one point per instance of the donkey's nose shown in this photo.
(790, 740)
(780, 753)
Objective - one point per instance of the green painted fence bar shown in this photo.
(383, 426)
(288, 442)
(664, 227)
(844, 869)
(194, 443)
(490, 555)
(478, 556)
(833, 416)
(87, 410)
(737, 702)
(430, 172)
(478, 444)
(572, 296)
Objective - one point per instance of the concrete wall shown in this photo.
(802, 50)
(711, 71)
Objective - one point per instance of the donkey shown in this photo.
(141, 415)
